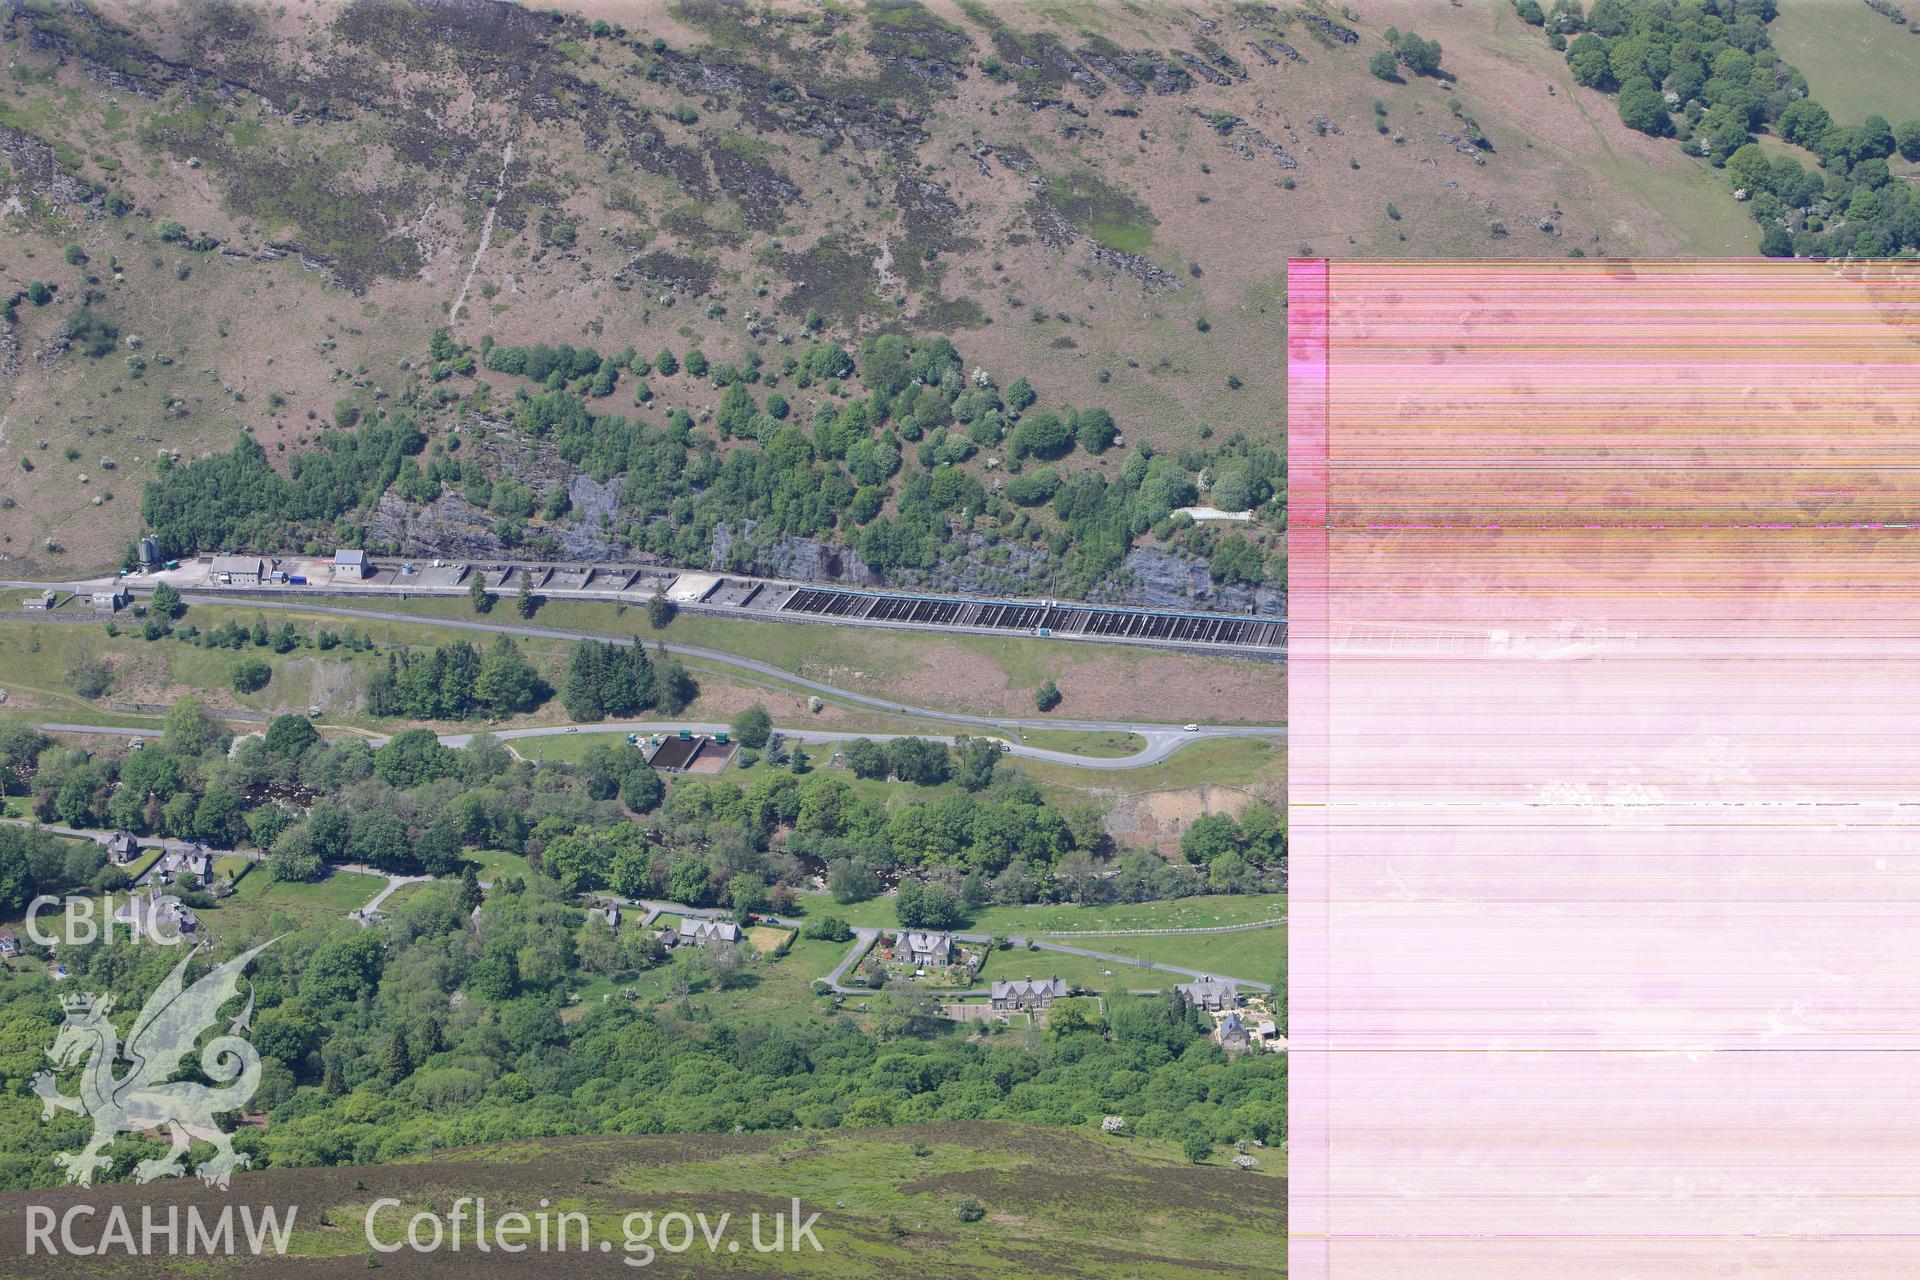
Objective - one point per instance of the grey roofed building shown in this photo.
(198, 860)
(149, 911)
(240, 571)
(926, 947)
(701, 932)
(122, 847)
(1026, 993)
(1233, 1031)
(1211, 994)
(9, 945)
(351, 563)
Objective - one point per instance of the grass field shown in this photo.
(570, 748)
(1085, 742)
(876, 654)
(1251, 953)
(144, 863)
(1856, 62)
(1227, 762)
(768, 939)
(811, 959)
(1691, 199)
(1002, 670)
(1080, 972)
(259, 899)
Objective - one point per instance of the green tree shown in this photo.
(471, 895)
(1642, 107)
(1094, 429)
(477, 593)
(525, 602)
(1209, 836)
(396, 1064)
(1422, 57)
(1907, 139)
(753, 726)
(1042, 434)
(928, 906)
(735, 412)
(920, 761)
(660, 611)
(1384, 66)
(827, 929)
(249, 674)
(1047, 696)
(641, 788)
(507, 684)
(849, 881)
(289, 737)
(166, 602)
(675, 688)
(293, 857)
(865, 757)
(1235, 559)
(17, 887)
(580, 693)
(974, 762)
(1196, 1146)
(1590, 63)
(191, 730)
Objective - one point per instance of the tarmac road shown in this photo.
(1162, 740)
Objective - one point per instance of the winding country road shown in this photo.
(1160, 744)
(1161, 740)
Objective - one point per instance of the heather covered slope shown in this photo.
(893, 1202)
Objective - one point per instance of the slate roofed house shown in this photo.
(1233, 1032)
(122, 848)
(1211, 994)
(198, 860)
(239, 571)
(9, 945)
(350, 563)
(1026, 993)
(155, 914)
(701, 932)
(610, 913)
(925, 948)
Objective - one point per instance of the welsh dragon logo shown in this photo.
(144, 1098)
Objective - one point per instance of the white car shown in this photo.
(1193, 728)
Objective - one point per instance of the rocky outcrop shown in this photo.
(1159, 578)
(35, 166)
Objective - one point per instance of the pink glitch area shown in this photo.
(1604, 766)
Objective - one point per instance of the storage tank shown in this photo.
(149, 553)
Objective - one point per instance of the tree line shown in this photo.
(1710, 77)
(884, 464)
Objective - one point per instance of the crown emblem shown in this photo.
(85, 1004)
